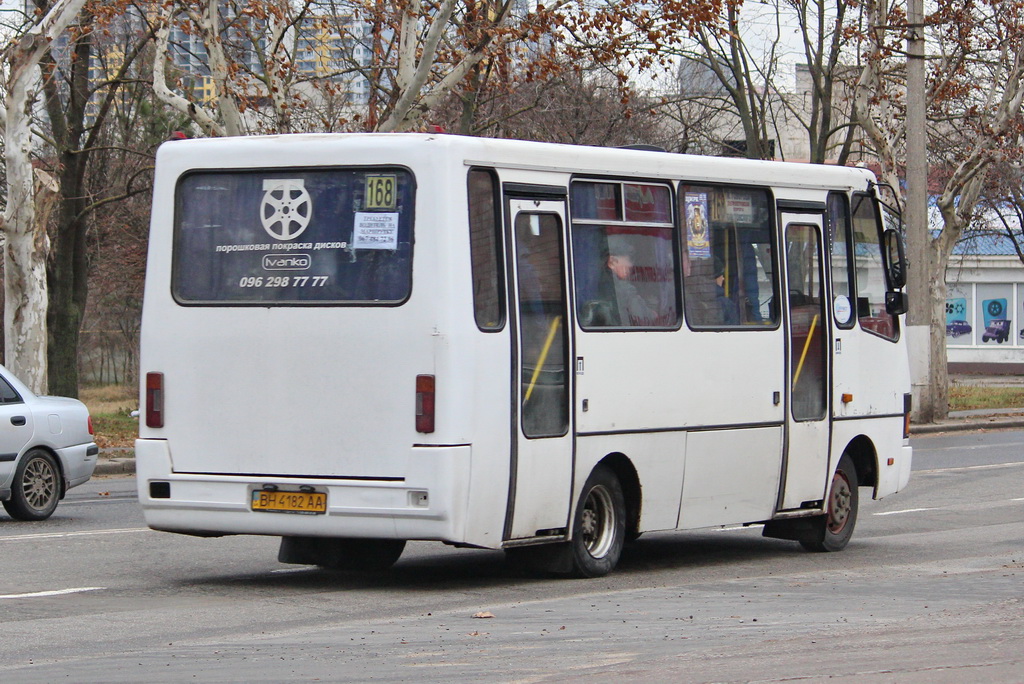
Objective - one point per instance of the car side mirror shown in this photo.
(895, 258)
(896, 303)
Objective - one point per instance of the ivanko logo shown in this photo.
(286, 207)
(287, 262)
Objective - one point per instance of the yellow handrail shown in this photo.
(543, 357)
(803, 355)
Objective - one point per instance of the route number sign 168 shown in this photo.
(380, 193)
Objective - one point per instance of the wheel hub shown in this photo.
(40, 484)
(839, 503)
(597, 523)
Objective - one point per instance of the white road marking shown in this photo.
(62, 535)
(954, 469)
(56, 592)
(106, 499)
(907, 510)
(970, 447)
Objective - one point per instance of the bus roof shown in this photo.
(316, 149)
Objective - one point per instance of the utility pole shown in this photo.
(919, 318)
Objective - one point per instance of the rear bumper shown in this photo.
(79, 462)
(428, 504)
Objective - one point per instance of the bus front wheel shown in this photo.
(599, 527)
(841, 514)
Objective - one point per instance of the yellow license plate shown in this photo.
(309, 503)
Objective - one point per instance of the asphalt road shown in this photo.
(929, 590)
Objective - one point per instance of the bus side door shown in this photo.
(808, 431)
(540, 490)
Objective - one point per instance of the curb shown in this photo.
(115, 461)
(114, 466)
(978, 423)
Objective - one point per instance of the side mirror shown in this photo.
(896, 303)
(895, 258)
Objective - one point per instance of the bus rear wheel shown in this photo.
(355, 555)
(599, 527)
(841, 514)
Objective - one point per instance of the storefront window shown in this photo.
(994, 315)
(959, 307)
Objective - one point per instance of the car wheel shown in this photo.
(841, 516)
(36, 487)
(599, 528)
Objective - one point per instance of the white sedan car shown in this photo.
(46, 448)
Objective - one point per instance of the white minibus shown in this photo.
(350, 341)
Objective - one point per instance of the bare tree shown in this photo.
(247, 51)
(85, 83)
(734, 76)
(26, 243)
(413, 55)
(827, 119)
(576, 106)
(1002, 206)
(974, 94)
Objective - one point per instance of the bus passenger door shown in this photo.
(540, 489)
(805, 464)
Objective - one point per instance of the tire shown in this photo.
(841, 514)
(599, 526)
(355, 555)
(36, 487)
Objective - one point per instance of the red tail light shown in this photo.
(154, 400)
(91, 431)
(424, 403)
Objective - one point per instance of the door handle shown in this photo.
(18, 420)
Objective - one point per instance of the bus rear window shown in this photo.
(324, 236)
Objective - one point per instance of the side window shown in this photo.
(870, 265)
(624, 256)
(544, 340)
(808, 343)
(485, 249)
(841, 256)
(8, 395)
(727, 257)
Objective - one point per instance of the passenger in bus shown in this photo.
(706, 301)
(730, 312)
(633, 309)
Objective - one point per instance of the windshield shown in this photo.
(324, 236)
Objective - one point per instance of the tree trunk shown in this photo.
(938, 371)
(68, 279)
(25, 250)
(67, 267)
